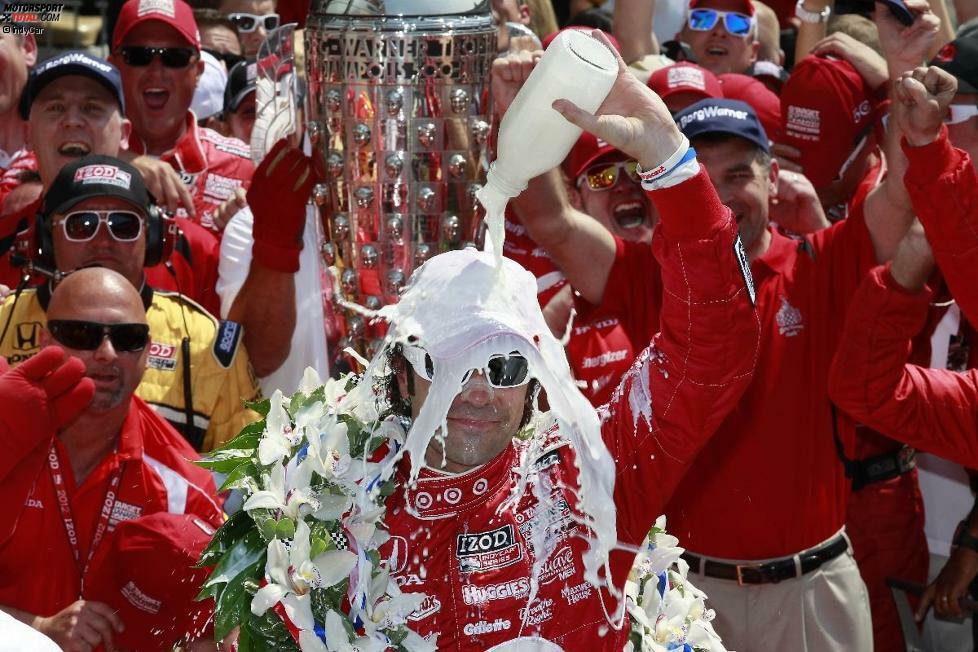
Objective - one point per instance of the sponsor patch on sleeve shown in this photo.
(741, 254)
(226, 342)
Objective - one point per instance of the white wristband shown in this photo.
(667, 166)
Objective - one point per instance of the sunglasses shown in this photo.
(229, 58)
(703, 20)
(88, 335)
(249, 22)
(139, 56)
(958, 113)
(500, 370)
(81, 226)
(605, 175)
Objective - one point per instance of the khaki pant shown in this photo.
(826, 610)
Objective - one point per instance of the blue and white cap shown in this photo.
(71, 63)
(732, 117)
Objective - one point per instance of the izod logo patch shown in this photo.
(162, 356)
(482, 551)
(108, 174)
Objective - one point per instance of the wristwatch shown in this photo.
(963, 538)
(813, 17)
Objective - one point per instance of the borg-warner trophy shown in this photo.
(398, 112)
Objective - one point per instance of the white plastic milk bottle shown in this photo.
(533, 137)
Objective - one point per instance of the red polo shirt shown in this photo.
(769, 483)
(210, 164)
(599, 350)
(38, 572)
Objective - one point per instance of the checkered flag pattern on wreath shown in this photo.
(339, 539)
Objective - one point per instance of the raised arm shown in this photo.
(941, 181)
(265, 304)
(695, 370)
(930, 409)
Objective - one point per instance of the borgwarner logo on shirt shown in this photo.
(108, 174)
(484, 551)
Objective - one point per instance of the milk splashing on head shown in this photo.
(461, 308)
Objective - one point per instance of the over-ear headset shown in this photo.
(161, 234)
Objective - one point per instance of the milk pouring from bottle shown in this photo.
(533, 137)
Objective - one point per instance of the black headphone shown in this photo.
(161, 231)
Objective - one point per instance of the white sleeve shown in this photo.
(15, 636)
(232, 271)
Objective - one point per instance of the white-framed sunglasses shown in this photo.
(500, 370)
(249, 22)
(958, 113)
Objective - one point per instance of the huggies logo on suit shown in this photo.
(109, 174)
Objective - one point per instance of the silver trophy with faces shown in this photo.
(398, 113)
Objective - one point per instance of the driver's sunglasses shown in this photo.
(249, 22)
(229, 58)
(604, 176)
(703, 20)
(88, 335)
(139, 56)
(81, 226)
(500, 370)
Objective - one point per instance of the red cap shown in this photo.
(548, 39)
(748, 5)
(175, 13)
(586, 151)
(825, 109)
(685, 77)
(764, 102)
(147, 575)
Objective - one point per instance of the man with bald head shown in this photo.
(76, 473)
(97, 212)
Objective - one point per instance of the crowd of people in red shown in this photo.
(141, 247)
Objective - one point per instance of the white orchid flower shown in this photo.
(291, 575)
(279, 438)
(287, 490)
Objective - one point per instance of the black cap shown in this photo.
(71, 63)
(241, 82)
(711, 116)
(960, 58)
(92, 176)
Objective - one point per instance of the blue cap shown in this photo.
(71, 63)
(713, 116)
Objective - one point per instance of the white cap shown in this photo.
(209, 96)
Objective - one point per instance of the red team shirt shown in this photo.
(38, 572)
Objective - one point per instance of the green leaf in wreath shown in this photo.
(247, 438)
(268, 632)
(261, 407)
(285, 529)
(233, 529)
(228, 610)
(225, 461)
(245, 552)
(244, 477)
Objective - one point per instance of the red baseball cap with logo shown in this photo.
(748, 5)
(826, 112)
(175, 13)
(765, 103)
(588, 150)
(148, 576)
(685, 77)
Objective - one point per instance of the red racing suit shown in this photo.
(211, 165)
(935, 410)
(451, 540)
(943, 187)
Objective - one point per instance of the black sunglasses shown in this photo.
(139, 56)
(88, 335)
(229, 58)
